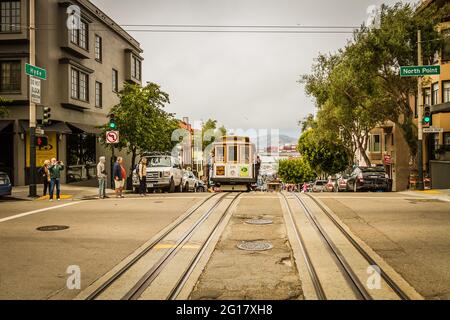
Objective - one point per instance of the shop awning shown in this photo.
(58, 127)
(4, 124)
(86, 128)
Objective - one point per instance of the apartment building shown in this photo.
(86, 65)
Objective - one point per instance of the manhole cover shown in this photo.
(157, 202)
(255, 245)
(259, 221)
(52, 228)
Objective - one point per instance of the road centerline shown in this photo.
(24, 214)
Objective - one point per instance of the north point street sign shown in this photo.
(433, 130)
(419, 71)
(35, 71)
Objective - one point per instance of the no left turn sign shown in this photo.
(112, 137)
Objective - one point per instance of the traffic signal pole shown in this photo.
(419, 183)
(32, 175)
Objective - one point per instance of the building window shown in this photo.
(136, 66)
(115, 80)
(445, 91)
(98, 95)
(447, 138)
(79, 36)
(10, 16)
(98, 48)
(446, 45)
(427, 97)
(79, 85)
(10, 79)
(375, 143)
(435, 93)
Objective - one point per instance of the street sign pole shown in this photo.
(419, 184)
(32, 175)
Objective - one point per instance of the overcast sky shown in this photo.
(242, 80)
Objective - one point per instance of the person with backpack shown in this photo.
(142, 174)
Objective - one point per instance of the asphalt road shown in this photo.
(101, 233)
(410, 233)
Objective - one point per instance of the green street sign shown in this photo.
(419, 71)
(35, 71)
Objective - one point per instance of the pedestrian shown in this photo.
(55, 169)
(102, 177)
(45, 174)
(257, 166)
(119, 174)
(142, 172)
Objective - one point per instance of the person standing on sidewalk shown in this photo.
(101, 175)
(45, 174)
(55, 169)
(142, 172)
(119, 174)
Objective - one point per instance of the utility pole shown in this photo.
(32, 191)
(419, 183)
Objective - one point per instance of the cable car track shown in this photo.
(151, 274)
(355, 284)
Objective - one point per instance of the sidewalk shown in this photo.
(68, 192)
(443, 194)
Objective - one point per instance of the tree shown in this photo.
(295, 171)
(3, 110)
(325, 157)
(210, 132)
(143, 123)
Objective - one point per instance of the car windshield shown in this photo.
(4, 179)
(159, 162)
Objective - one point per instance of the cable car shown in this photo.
(233, 163)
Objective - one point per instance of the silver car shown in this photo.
(319, 186)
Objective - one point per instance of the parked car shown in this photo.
(368, 179)
(163, 172)
(190, 181)
(342, 183)
(201, 186)
(331, 185)
(319, 185)
(5, 185)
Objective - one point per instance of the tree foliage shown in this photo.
(359, 87)
(295, 171)
(143, 123)
(324, 156)
(210, 132)
(3, 110)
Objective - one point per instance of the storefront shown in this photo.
(7, 148)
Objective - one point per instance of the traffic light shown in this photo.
(41, 141)
(427, 116)
(47, 115)
(112, 122)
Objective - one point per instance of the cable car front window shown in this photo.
(245, 154)
(232, 154)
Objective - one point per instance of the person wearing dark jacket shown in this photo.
(55, 169)
(119, 175)
(45, 174)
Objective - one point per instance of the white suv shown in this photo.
(163, 172)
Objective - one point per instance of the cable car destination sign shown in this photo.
(419, 71)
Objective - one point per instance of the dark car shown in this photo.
(368, 179)
(5, 185)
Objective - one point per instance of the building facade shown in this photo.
(388, 147)
(87, 56)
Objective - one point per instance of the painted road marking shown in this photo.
(37, 211)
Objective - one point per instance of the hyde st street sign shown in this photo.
(419, 71)
(34, 71)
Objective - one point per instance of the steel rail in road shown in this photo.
(352, 279)
(193, 263)
(320, 293)
(132, 262)
(392, 284)
(146, 280)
